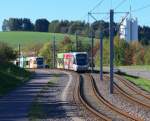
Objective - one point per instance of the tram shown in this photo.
(30, 62)
(77, 61)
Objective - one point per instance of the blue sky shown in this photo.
(69, 9)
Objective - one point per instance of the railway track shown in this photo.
(78, 97)
(135, 97)
(101, 105)
(133, 87)
(82, 103)
(111, 106)
(132, 98)
(87, 96)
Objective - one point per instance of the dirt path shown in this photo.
(15, 106)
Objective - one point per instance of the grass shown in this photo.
(26, 38)
(11, 76)
(140, 82)
(37, 110)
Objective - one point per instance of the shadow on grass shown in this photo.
(125, 74)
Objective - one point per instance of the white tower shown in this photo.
(129, 30)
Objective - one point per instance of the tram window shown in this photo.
(81, 59)
(74, 62)
(27, 62)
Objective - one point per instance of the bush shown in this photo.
(46, 52)
(11, 76)
(6, 53)
(147, 56)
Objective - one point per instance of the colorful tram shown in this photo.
(30, 62)
(77, 61)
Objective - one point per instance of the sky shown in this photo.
(71, 9)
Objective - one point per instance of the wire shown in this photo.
(123, 1)
(122, 20)
(141, 8)
(83, 17)
(105, 17)
(93, 17)
(97, 5)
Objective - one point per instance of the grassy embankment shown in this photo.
(140, 82)
(11, 77)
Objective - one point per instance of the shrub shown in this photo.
(6, 53)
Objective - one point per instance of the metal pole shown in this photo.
(76, 42)
(111, 32)
(92, 44)
(54, 49)
(101, 56)
(19, 54)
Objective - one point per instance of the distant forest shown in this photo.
(70, 27)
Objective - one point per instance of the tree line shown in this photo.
(70, 27)
(133, 53)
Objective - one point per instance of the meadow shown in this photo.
(25, 39)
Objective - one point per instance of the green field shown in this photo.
(27, 38)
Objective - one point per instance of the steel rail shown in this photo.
(111, 106)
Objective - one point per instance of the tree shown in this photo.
(32, 49)
(27, 25)
(120, 47)
(147, 55)
(137, 53)
(66, 45)
(46, 52)
(41, 25)
(5, 26)
(64, 26)
(6, 53)
(54, 26)
(17, 24)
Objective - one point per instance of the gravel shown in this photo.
(120, 101)
(58, 101)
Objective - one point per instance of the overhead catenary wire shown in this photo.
(97, 5)
(141, 8)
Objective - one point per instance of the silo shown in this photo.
(129, 30)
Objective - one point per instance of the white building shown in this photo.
(129, 30)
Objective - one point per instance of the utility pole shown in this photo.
(76, 42)
(54, 47)
(101, 56)
(92, 44)
(19, 54)
(54, 52)
(111, 32)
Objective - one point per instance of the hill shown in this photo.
(27, 38)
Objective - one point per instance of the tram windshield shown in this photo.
(82, 59)
(40, 61)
